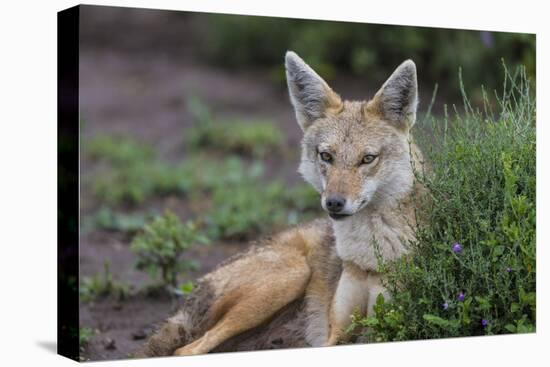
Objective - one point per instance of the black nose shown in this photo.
(335, 204)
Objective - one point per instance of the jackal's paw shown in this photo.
(184, 351)
(333, 339)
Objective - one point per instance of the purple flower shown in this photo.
(460, 296)
(445, 305)
(508, 269)
(457, 248)
(487, 39)
(484, 323)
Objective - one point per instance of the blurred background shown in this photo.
(186, 127)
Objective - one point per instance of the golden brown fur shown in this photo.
(300, 287)
(253, 288)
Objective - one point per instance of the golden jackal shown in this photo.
(300, 287)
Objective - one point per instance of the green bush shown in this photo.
(229, 194)
(303, 198)
(109, 220)
(134, 183)
(118, 150)
(85, 334)
(253, 138)
(245, 210)
(161, 245)
(137, 181)
(205, 174)
(237, 41)
(102, 285)
(242, 205)
(472, 269)
(134, 173)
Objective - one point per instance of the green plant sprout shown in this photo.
(161, 244)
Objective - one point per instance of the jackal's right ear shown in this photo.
(310, 95)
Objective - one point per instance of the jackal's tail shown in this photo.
(164, 341)
(182, 328)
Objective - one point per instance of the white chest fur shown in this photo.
(366, 237)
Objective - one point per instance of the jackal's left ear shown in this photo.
(397, 100)
(310, 95)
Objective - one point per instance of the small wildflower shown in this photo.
(484, 323)
(508, 269)
(457, 248)
(460, 296)
(445, 305)
(487, 39)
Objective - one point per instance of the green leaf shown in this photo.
(187, 287)
(497, 252)
(436, 320)
(510, 327)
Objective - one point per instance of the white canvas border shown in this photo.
(29, 173)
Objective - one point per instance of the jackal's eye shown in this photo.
(325, 157)
(369, 158)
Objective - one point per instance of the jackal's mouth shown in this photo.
(336, 216)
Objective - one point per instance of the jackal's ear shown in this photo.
(396, 101)
(310, 95)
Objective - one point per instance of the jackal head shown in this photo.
(355, 153)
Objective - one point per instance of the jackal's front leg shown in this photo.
(356, 291)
